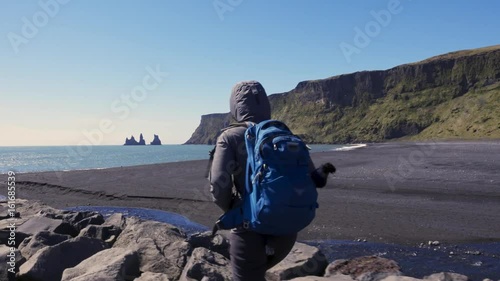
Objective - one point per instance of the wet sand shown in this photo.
(404, 193)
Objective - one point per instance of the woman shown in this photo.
(249, 258)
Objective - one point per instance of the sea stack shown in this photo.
(141, 140)
(156, 141)
(132, 141)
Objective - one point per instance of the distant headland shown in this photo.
(133, 141)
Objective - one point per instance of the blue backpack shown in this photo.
(280, 197)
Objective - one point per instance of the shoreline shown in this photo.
(452, 195)
(65, 158)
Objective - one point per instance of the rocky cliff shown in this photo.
(209, 128)
(454, 95)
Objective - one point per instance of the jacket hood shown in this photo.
(249, 102)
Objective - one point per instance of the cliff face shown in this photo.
(455, 95)
(209, 128)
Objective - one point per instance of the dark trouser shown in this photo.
(249, 261)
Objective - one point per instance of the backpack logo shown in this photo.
(280, 197)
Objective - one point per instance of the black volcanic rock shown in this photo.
(141, 140)
(156, 141)
(132, 141)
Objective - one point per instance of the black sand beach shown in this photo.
(404, 193)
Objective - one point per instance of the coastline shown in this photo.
(404, 193)
(37, 159)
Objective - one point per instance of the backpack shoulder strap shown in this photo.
(250, 139)
(212, 152)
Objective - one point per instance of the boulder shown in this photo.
(110, 264)
(206, 265)
(77, 219)
(7, 228)
(25, 210)
(50, 262)
(6, 213)
(107, 233)
(303, 260)
(40, 240)
(96, 219)
(161, 247)
(218, 243)
(367, 268)
(37, 224)
(117, 219)
(446, 276)
(29, 208)
(9, 262)
(150, 276)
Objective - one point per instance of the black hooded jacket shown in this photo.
(248, 103)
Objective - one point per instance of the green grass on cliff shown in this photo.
(455, 95)
(463, 53)
(471, 116)
(429, 114)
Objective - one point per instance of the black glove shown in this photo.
(320, 175)
(328, 168)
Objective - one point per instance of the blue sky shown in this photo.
(80, 72)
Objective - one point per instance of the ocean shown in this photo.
(24, 159)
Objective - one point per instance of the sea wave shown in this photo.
(349, 147)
